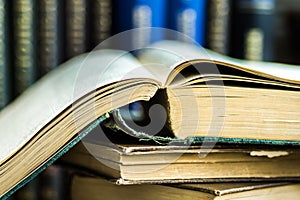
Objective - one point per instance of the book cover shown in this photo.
(189, 18)
(5, 53)
(253, 29)
(49, 35)
(87, 186)
(54, 183)
(24, 44)
(178, 163)
(29, 191)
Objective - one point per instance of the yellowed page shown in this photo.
(23, 118)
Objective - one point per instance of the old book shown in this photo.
(189, 18)
(95, 187)
(127, 164)
(206, 96)
(76, 28)
(218, 26)
(253, 29)
(30, 191)
(24, 44)
(52, 183)
(143, 16)
(5, 53)
(49, 25)
(102, 14)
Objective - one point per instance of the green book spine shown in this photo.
(24, 44)
(49, 35)
(76, 27)
(4, 53)
(101, 21)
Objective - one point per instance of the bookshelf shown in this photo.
(42, 34)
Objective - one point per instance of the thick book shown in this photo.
(49, 36)
(143, 16)
(253, 29)
(189, 18)
(127, 164)
(24, 44)
(76, 28)
(95, 187)
(101, 21)
(206, 96)
(52, 184)
(218, 25)
(5, 53)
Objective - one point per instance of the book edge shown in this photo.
(55, 157)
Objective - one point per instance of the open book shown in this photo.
(203, 95)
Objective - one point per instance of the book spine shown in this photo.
(253, 29)
(188, 17)
(101, 21)
(54, 183)
(49, 35)
(142, 14)
(5, 63)
(219, 25)
(30, 191)
(76, 27)
(24, 42)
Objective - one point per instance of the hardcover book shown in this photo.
(5, 57)
(95, 187)
(24, 44)
(49, 35)
(188, 17)
(127, 164)
(218, 27)
(102, 21)
(76, 28)
(253, 29)
(141, 14)
(201, 95)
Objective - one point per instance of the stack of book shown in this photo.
(178, 121)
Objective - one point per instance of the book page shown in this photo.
(168, 55)
(173, 54)
(46, 99)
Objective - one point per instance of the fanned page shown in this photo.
(27, 115)
(175, 56)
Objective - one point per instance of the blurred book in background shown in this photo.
(253, 29)
(141, 14)
(5, 53)
(189, 18)
(287, 32)
(49, 35)
(24, 44)
(218, 27)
